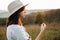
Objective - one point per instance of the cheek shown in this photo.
(23, 15)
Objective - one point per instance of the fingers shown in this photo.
(43, 26)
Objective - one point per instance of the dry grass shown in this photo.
(2, 33)
(51, 33)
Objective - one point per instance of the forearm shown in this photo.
(40, 35)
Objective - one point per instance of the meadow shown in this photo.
(52, 31)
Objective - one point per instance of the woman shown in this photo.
(15, 29)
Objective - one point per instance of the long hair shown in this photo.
(13, 19)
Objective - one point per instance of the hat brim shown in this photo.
(19, 8)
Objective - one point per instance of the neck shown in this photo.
(19, 22)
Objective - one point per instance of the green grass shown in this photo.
(52, 32)
(33, 30)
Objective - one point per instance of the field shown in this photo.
(52, 32)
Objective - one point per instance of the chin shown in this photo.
(23, 17)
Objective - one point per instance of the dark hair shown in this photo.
(13, 19)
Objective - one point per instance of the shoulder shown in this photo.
(15, 27)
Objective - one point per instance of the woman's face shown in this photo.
(23, 14)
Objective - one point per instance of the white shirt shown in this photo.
(16, 32)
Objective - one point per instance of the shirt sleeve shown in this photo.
(20, 34)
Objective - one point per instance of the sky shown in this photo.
(33, 4)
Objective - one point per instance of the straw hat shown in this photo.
(14, 6)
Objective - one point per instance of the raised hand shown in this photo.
(43, 26)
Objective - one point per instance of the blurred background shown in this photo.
(38, 11)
